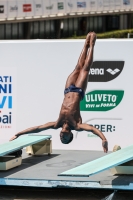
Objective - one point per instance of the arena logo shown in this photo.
(5, 99)
(1, 8)
(101, 100)
(13, 8)
(113, 72)
(27, 8)
(96, 71)
(104, 71)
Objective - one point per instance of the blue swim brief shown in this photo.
(73, 88)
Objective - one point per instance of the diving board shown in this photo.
(106, 162)
(21, 142)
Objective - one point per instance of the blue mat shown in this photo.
(101, 164)
(21, 142)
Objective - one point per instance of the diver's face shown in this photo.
(65, 137)
(65, 128)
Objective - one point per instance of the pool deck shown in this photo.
(42, 171)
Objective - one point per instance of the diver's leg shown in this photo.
(72, 78)
(83, 75)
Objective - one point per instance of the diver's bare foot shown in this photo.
(93, 39)
(87, 41)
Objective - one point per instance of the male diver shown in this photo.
(69, 117)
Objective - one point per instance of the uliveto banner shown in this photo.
(32, 89)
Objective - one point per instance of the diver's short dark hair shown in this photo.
(66, 140)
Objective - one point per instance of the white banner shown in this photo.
(112, 5)
(61, 5)
(81, 6)
(93, 5)
(54, 9)
(21, 9)
(28, 8)
(118, 5)
(100, 5)
(47, 7)
(12, 9)
(126, 4)
(8, 102)
(3, 9)
(106, 5)
(39, 89)
(132, 4)
(71, 6)
(38, 7)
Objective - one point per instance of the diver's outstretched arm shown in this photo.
(87, 127)
(35, 129)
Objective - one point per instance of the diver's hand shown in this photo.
(105, 145)
(13, 138)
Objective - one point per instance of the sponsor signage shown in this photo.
(2, 9)
(38, 6)
(60, 5)
(126, 2)
(105, 102)
(70, 5)
(104, 128)
(49, 7)
(13, 8)
(81, 4)
(101, 100)
(5, 101)
(27, 8)
(92, 3)
(104, 71)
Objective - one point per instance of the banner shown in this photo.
(54, 4)
(34, 94)
(81, 6)
(100, 5)
(21, 8)
(28, 8)
(3, 9)
(106, 5)
(47, 7)
(112, 5)
(8, 102)
(61, 5)
(12, 9)
(93, 5)
(71, 6)
(38, 7)
(126, 4)
(118, 5)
